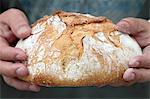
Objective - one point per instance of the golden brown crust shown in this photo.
(98, 79)
(70, 44)
(72, 19)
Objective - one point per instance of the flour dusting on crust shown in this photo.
(64, 50)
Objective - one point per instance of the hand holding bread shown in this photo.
(139, 66)
(12, 29)
(73, 49)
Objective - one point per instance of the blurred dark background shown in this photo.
(113, 9)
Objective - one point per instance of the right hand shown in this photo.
(139, 66)
(14, 26)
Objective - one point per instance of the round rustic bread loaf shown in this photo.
(73, 49)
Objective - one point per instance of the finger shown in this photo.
(6, 33)
(17, 22)
(137, 75)
(21, 85)
(141, 61)
(13, 69)
(3, 42)
(133, 25)
(138, 28)
(11, 53)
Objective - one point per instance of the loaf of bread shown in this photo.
(73, 49)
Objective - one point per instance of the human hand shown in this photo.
(139, 66)
(13, 26)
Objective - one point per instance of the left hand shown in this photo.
(14, 26)
(139, 66)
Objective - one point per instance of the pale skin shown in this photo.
(14, 26)
(139, 66)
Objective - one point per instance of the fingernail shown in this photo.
(130, 77)
(20, 57)
(23, 31)
(134, 63)
(123, 26)
(34, 88)
(22, 71)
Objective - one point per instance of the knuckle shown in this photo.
(5, 51)
(144, 60)
(8, 69)
(139, 76)
(11, 72)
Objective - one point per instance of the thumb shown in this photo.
(17, 22)
(138, 28)
(133, 26)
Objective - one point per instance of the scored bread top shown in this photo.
(73, 49)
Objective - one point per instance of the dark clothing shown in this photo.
(6, 4)
(136, 91)
(113, 9)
